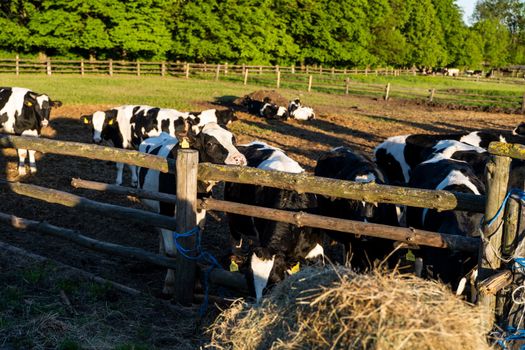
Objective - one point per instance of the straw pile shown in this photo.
(338, 309)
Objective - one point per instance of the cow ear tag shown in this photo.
(86, 120)
(110, 122)
(233, 266)
(184, 143)
(296, 268)
(410, 256)
(28, 104)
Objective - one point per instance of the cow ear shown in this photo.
(28, 103)
(111, 116)
(55, 103)
(86, 119)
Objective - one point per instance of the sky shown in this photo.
(468, 8)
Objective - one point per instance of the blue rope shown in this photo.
(200, 255)
(514, 334)
(516, 193)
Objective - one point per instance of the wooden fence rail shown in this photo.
(374, 193)
(407, 235)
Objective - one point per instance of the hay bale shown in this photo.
(259, 95)
(338, 309)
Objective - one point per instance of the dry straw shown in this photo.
(338, 309)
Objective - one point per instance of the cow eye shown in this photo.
(210, 144)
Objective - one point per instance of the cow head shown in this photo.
(103, 123)
(214, 143)
(519, 130)
(226, 116)
(273, 111)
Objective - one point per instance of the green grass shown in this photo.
(189, 94)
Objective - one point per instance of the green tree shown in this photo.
(495, 39)
(424, 36)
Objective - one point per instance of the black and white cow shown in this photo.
(24, 112)
(127, 126)
(117, 126)
(279, 246)
(273, 111)
(397, 155)
(439, 173)
(297, 111)
(344, 163)
(215, 145)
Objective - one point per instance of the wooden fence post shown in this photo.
(347, 85)
(243, 68)
(344, 71)
(277, 68)
(162, 68)
(205, 66)
(293, 69)
(82, 67)
(387, 91)
(226, 68)
(48, 66)
(187, 70)
(217, 72)
(497, 171)
(523, 104)
(310, 77)
(260, 69)
(186, 216)
(17, 65)
(246, 77)
(431, 96)
(110, 67)
(366, 71)
(278, 79)
(333, 70)
(320, 69)
(138, 68)
(307, 69)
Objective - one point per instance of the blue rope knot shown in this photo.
(197, 254)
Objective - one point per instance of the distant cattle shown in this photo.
(397, 155)
(271, 110)
(278, 246)
(451, 72)
(24, 112)
(344, 163)
(215, 145)
(438, 173)
(297, 111)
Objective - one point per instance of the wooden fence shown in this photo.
(189, 172)
(308, 78)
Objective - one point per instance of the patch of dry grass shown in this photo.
(338, 309)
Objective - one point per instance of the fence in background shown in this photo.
(307, 78)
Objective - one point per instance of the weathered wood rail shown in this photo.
(440, 200)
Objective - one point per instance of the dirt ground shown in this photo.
(363, 125)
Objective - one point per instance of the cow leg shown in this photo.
(120, 170)
(22, 154)
(170, 251)
(32, 161)
(134, 177)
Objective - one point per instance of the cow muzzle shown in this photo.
(45, 122)
(236, 159)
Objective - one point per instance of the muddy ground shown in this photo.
(362, 125)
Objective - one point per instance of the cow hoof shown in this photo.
(32, 170)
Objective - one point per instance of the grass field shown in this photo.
(186, 94)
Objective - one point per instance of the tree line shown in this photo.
(346, 33)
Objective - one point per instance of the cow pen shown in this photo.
(499, 239)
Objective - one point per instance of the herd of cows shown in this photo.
(267, 251)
